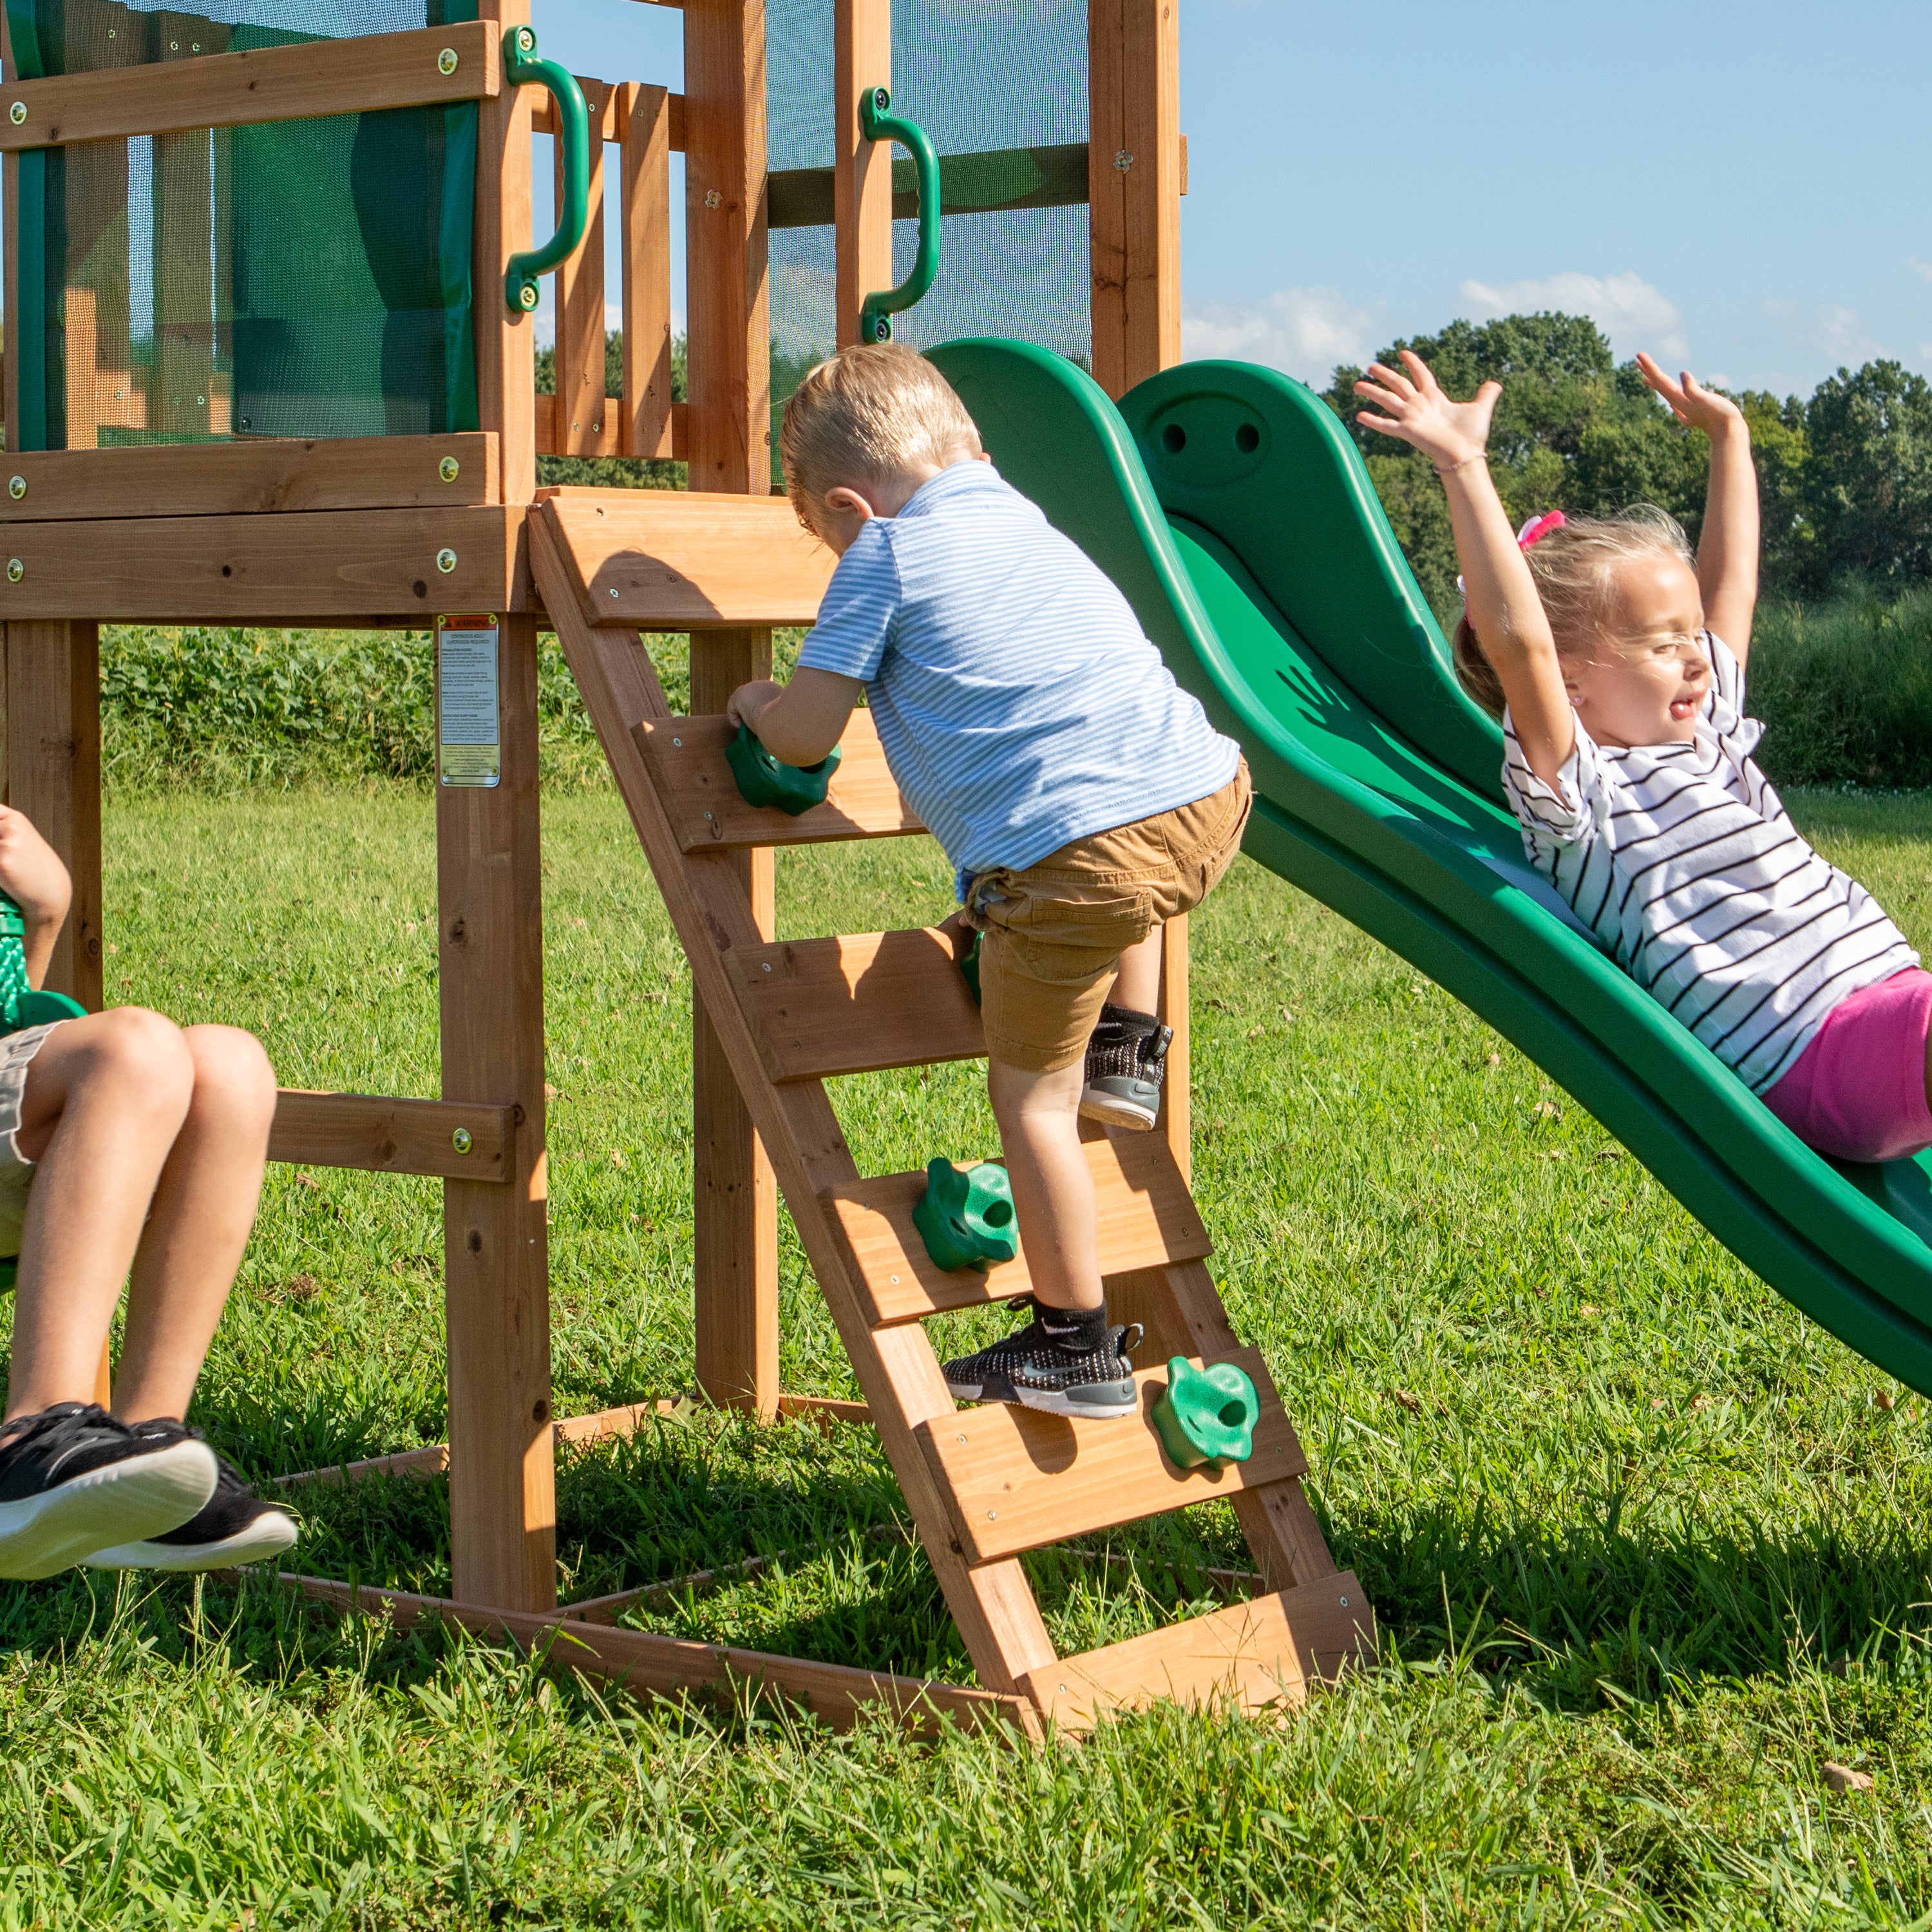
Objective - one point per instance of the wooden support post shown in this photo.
(863, 169)
(505, 342)
(579, 304)
(729, 382)
(502, 1505)
(646, 215)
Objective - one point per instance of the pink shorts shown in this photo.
(1857, 1091)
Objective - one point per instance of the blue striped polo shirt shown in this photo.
(1019, 702)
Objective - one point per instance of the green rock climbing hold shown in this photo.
(965, 1217)
(763, 780)
(969, 967)
(1206, 1415)
(20, 1005)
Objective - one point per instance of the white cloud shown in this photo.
(1842, 336)
(1632, 313)
(1304, 331)
(1924, 269)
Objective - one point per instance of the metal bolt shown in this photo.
(957, 1438)
(992, 1516)
(597, 429)
(526, 41)
(446, 561)
(527, 295)
(449, 469)
(17, 488)
(768, 963)
(201, 399)
(1123, 160)
(460, 1140)
(15, 570)
(679, 743)
(895, 1282)
(195, 48)
(613, 593)
(445, 61)
(17, 112)
(707, 820)
(712, 199)
(174, 46)
(882, 99)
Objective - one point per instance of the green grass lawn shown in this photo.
(1648, 1549)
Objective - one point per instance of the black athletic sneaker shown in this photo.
(1127, 1060)
(74, 1478)
(1066, 1361)
(234, 1527)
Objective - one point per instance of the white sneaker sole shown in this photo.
(268, 1535)
(1116, 1113)
(1050, 1402)
(140, 1496)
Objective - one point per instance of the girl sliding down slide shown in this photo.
(1616, 662)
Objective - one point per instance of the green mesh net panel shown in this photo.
(299, 278)
(1002, 89)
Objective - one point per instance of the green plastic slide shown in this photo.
(1231, 507)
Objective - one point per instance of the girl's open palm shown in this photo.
(1690, 401)
(1448, 432)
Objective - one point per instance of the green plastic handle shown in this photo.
(20, 1005)
(877, 122)
(522, 68)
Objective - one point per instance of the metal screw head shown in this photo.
(17, 488)
(526, 296)
(768, 963)
(613, 593)
(460, 1140)
(678, 741)
(526, 41)
(17, 112)
(707, 820)
(449, 469)
(15, 570)
(712, 199)
(1344, 1603)
(882, 99)
(446, 560)
(445, 61)
(1123, 159)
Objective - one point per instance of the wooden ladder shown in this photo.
(985, 1483)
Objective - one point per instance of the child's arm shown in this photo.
(798, 723)
(33, 877)
(1727, 550)
(1505, 611)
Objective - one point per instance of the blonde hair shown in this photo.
(868, 414)
(1574, 567)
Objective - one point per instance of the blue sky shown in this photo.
(1743, 188)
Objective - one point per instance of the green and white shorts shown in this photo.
(16, 1172)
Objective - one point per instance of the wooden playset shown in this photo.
(158, 471)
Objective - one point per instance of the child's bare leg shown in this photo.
(1137, 986)
(104, 1098)
(1053, 1187)
(204, 1207)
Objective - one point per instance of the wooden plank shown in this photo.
(388, 1136)
(543, 114)
(670, 445)
(52, 774)
(677, 560)
(200, 569)
(490, 894)
(250, 477)
(580, 410)
(862, 169)
(686, 756)
(1256, 1656)
(993, 1604)
(644, 1663)
(734, 1227)
(1106, 192)
(857, 1003)
(1147, 1218)
(431, 1462)
(645, 417)
(1177, 1112)
(505, 339)
(288, 83)
(1014, 1479)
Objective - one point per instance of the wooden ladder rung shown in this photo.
(1014, 1479)
(686, 756)
(1148, 1219)
(1268, 1650)
(856, 1003)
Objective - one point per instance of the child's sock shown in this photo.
(1079, 1330)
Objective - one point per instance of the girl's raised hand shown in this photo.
(1690, 401)
(1449, 433)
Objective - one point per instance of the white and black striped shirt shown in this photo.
(1683, 861)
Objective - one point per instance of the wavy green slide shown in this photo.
(1230, 506)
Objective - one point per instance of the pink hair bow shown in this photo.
(1537, 528)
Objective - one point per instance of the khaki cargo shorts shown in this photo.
(1055, 933)
(16, 1172)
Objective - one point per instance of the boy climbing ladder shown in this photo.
(1083, 798)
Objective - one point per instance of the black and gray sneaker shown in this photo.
(233, 1527)
(1127, 1060)
(1066, 1361)
(73, 1478)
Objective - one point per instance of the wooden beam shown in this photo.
(361, 75)
(862, 169)
(543, 115)
(581, 412)
(490, 890)
(251, 477)
(670, 445)
(1015, 1479)
(338, 563)
(52, 774)
(645, 414)
(388, 1136)
(505, 339)
(687, 560)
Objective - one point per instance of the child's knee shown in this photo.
(146, 1054)
(231, 1075)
